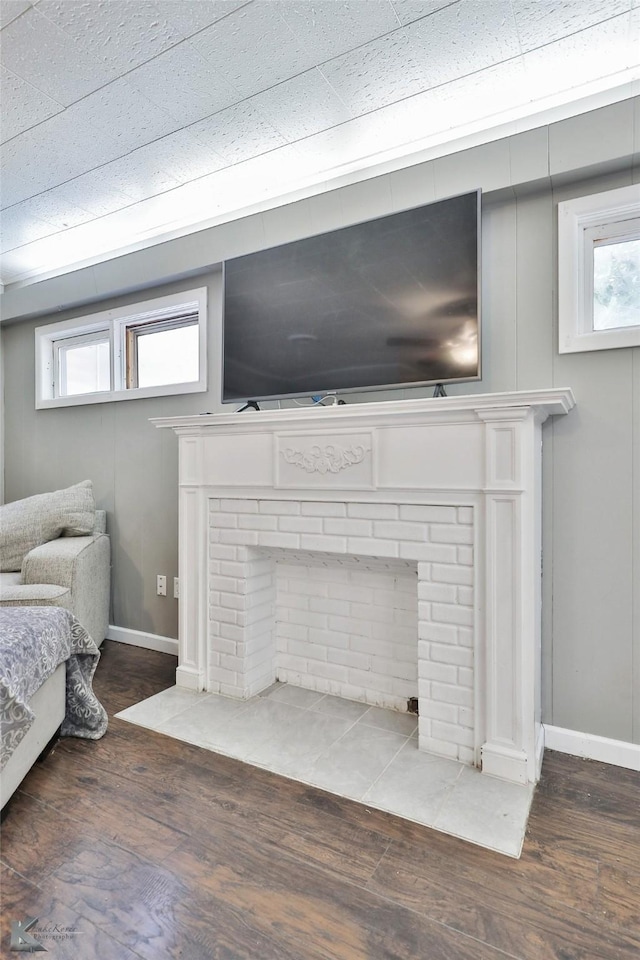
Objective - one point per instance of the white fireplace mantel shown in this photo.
(452, 479)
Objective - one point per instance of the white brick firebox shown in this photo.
(348, 598)
(377, 551)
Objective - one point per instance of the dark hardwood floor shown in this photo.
(145, 847)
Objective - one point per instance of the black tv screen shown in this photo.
(391, 302)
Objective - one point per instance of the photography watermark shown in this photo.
(28, 937)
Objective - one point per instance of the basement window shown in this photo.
(151, 349)
(599, 271)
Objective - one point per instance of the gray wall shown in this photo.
(1, 424)
(133, 466)
(591, 641)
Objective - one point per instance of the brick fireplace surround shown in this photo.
(376, 551)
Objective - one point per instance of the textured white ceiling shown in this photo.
(123, 121)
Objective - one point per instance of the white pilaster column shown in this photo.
(512, 748)
(193, 568)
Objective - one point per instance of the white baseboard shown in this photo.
(588, 745)
(137, 638)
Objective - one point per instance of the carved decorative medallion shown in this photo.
(326, 459)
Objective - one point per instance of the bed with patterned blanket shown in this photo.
(47, 663)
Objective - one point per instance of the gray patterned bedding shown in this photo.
(33, 642)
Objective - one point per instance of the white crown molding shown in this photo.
(172, 226)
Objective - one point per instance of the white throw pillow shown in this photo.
(25, 524)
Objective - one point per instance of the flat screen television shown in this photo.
(391, 302)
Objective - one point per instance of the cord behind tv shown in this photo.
(317, 401)
(438, 391)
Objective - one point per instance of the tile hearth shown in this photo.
(348, 748)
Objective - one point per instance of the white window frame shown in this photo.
(79, 340)
(580, 223)
(115, 323)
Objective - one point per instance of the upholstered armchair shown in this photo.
(54, 551)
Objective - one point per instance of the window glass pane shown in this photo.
(84, 368)
(616, 284)
(168, 356)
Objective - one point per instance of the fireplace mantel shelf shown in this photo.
(450, 485)
(546, 403)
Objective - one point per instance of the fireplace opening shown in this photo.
(381, 613)
(348, 626)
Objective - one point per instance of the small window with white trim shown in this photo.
(599, 271)
(150, 349)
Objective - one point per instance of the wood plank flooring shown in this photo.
(146, 847)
